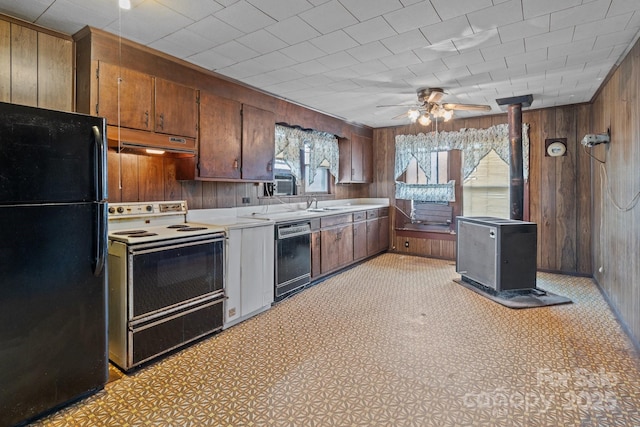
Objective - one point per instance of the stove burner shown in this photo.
(187, 228)
(145, 234)
(130, 232)
(178, 226)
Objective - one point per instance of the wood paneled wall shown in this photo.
(616, 232)
(559, 188)
(36, 66)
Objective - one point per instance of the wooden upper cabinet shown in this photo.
(132, 105)
(220, 137)
(258, 143)
(176, 109)
(141, 101)
(356, 159)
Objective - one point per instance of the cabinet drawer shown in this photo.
(329, 221)
(383, 212)
(315, 224)
(359, 216)
(372, 213)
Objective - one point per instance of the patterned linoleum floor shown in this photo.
(391, 342)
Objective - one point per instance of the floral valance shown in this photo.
(427, 192)
(474, 143)
(323, 148)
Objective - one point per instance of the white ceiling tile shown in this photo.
(587, 13)
(448, 9)
(527, 28)
(485, 67)
(406, 41)
(369, 51)
(182, 43)
(245, 17)
(338, 60)
(365, 10)
(27, 10)
(262, 41)
(549, 64)
(286, 87)
(634, 22)
(400, 60)
(227, 3)
(436, 51)
(285, 74)
(159, 21)
(223, 33)
(274, 60)
(262, 80)
(280, 9)
(510, 71)
(605, 26)
(71, 16)
(303, 52)
(409, 2)
(423, 80)
(310, 68)
(317, 80)
(293, 30)
(194, 9)
(450, 29)
(334, 42)
(210, 60)
(342, 73)
(455, 61)
(473, 79)
(368, 31)
(614, 39)
(329, 17)
(477, 41)
(500, 51)
(369, 67)
(236, 51)
(533, 8)
(428, 67)
(412, 17)
(448, 77)
(527, 57)
(548, 39)
(496, 16)
(622, 6)
(565, 49)
(317, 2)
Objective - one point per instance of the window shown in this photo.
(415, 175)
(320, 181)
(485, 192)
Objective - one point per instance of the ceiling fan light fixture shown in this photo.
(124, 4)
(424, 120)
(448, 114)
(413, 115)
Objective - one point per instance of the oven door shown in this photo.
(166, 276)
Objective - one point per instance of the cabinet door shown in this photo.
(127, 104)
(329, 259)
(258, 143)
(383, 233)
(345, 245)
(176, 109)
(372, 236)
(220, 132)
(359, 240)
(316, 254)
(356, 159)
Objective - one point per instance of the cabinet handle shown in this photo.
(235, 164)
(270, 166)
(146, 119)
(162, 121)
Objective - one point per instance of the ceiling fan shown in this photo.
(430, 107)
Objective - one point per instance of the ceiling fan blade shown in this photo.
(400, 116)
(469, 107)
(396, 105)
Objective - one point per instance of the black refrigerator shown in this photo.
(53, 231)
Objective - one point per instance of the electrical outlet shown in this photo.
(246, 200)
(232, 312)
(406, 244)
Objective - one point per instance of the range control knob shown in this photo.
(112, 210)
(149, 208)
(120, 209)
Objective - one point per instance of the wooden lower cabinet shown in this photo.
(359, 240)
(316, 254)
(337, 248)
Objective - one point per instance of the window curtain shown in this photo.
(474, 143)
(323, 147)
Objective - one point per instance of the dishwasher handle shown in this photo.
(293, 230)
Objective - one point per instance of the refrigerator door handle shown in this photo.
(100, 256)
(101, 163)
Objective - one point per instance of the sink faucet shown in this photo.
(310, 201)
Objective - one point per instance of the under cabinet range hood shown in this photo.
(145, 142)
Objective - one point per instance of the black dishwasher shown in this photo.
(293, 258)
